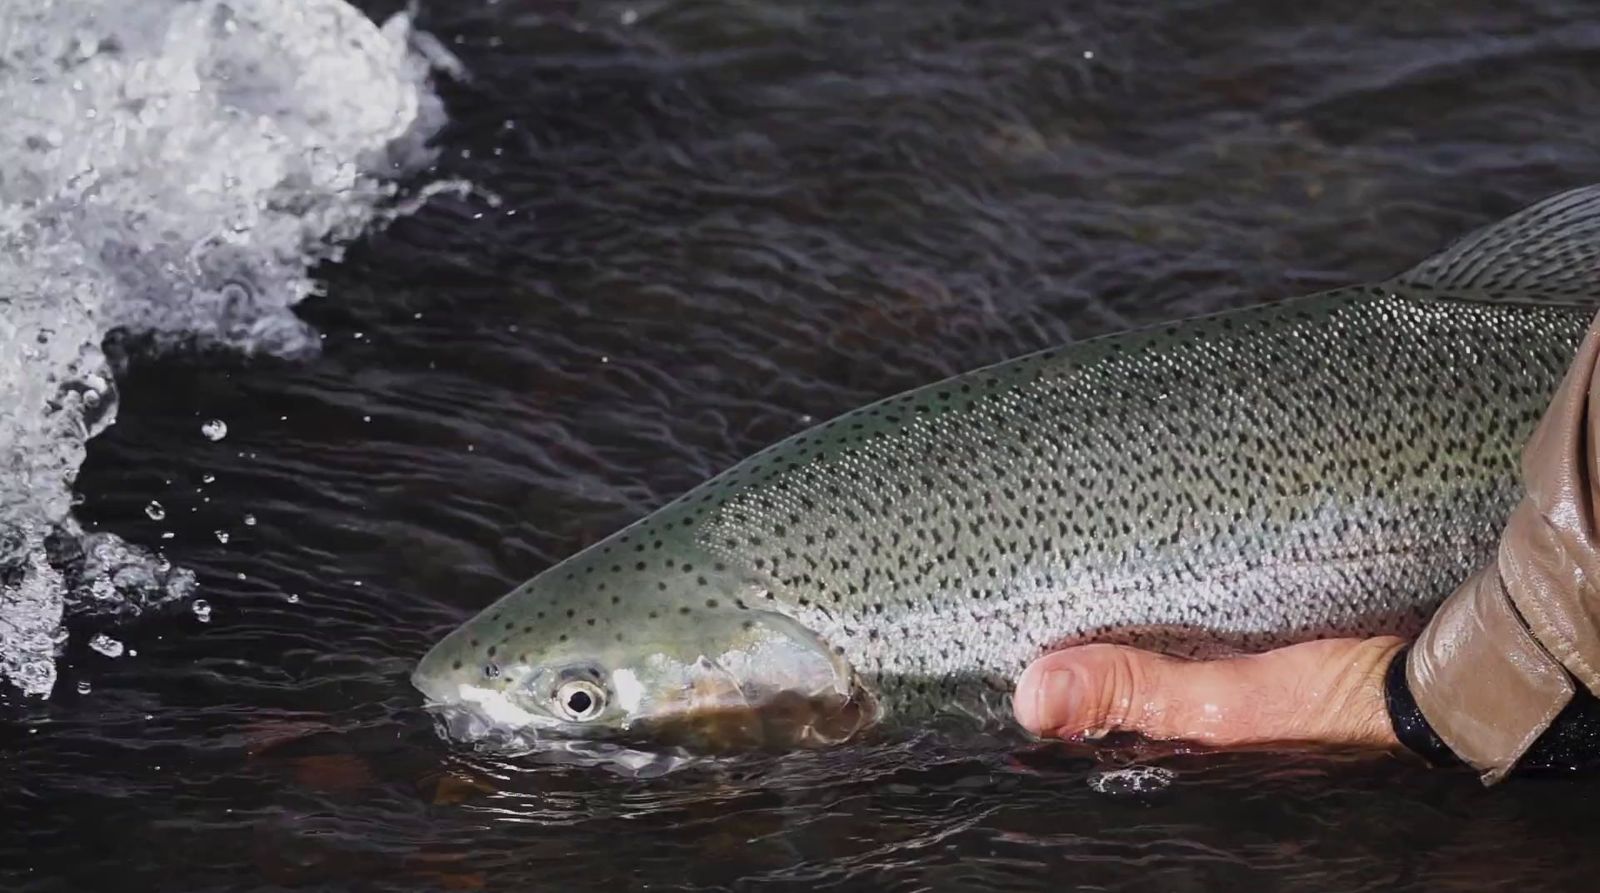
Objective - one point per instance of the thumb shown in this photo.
(1328, 692)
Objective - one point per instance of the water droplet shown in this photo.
(106, 645)
(222, 536)
(155, 511)
(366, 418)
(83, 687)
(133, 652)
(208, 478)
(294, 599)
(214, 430)
(201, 609)
(249, 520)
(629, 16)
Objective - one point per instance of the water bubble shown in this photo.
(214, 430)
(155, 511)
(208, 478)
(294, 599)
(106, 645)
(222, 536)
(249, 520)
(201, 609)
(1131, 781)
(83, 687)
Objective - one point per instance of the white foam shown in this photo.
(172, 168)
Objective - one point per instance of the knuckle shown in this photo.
(1124, 679)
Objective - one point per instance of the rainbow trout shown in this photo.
(1325, 466)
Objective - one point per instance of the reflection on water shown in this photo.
(717, 223)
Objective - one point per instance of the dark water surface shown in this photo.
(720, 222)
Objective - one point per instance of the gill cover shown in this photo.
(743, 678)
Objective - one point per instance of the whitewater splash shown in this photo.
(173, 168)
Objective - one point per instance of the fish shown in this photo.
(1329, 465)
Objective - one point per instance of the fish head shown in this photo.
(626, 644)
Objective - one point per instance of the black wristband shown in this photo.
(1410, 726)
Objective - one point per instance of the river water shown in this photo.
(472, 290)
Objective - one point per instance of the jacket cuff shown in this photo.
(1571, 742)
(1484, 685)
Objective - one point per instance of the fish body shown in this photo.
(1329, 465)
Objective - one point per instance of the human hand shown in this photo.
(1325, 692)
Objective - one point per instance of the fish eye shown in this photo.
(580, 700)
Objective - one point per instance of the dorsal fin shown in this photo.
(1549, 251)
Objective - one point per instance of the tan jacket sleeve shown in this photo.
(1502, 655)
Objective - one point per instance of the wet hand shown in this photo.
(1327, 692)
